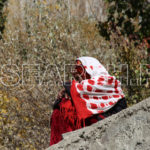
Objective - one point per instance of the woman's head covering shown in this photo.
(97, 94)
(92, 66)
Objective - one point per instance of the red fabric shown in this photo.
(58, 126)
(101, 116)
(79, 103)
(90, 98)
(63, 120)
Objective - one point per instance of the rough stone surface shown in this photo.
(127, 130)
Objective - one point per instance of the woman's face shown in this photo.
(79, 73)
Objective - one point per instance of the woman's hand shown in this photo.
(67, 96)
(62, 94)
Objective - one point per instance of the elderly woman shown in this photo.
(91, 97)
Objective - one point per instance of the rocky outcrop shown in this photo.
(127, 130)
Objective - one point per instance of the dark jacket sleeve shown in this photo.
(67, 86)
(56, 104)
(120, 105)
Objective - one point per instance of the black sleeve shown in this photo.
(120, 105)
(56, 104)
(67, 86)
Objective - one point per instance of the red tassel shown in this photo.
(69, 113)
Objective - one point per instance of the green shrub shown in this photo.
(2, 17)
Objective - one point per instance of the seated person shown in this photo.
(92, 96)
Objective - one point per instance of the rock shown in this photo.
(126, 130)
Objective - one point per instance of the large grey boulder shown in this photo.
(127, 130)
